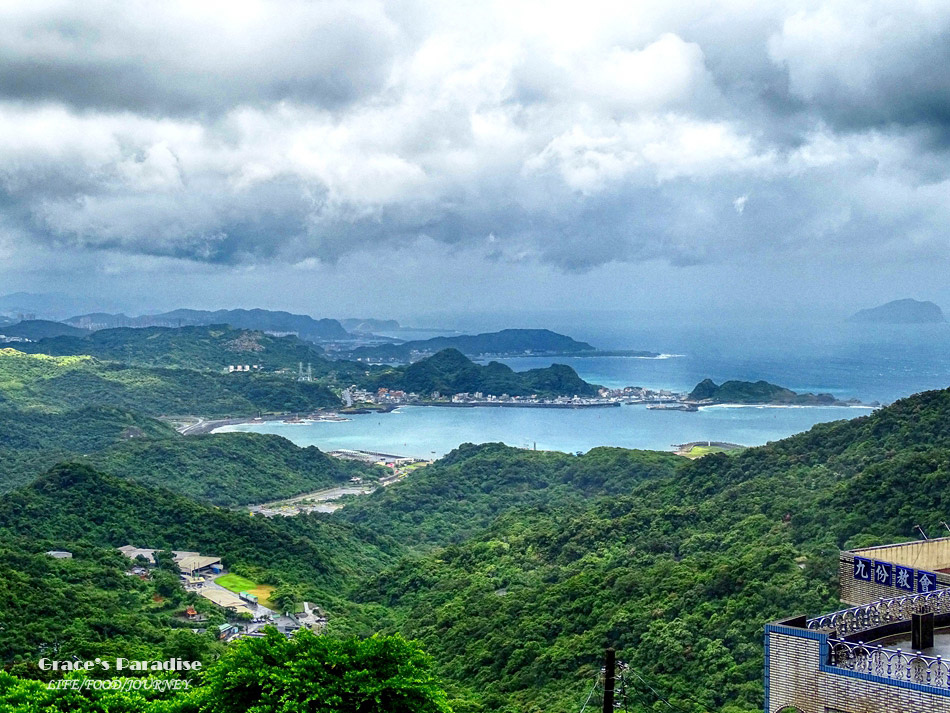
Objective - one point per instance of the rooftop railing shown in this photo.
(897, 665)
(884, 611)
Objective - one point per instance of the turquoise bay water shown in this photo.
(870, 363)
(428, 431)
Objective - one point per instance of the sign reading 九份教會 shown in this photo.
(894, 575)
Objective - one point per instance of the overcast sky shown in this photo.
(408, 158)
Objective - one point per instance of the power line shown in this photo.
(659, 697)
(591, 694)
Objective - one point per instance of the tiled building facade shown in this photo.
(799, 676)
(831, 664)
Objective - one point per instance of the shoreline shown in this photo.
(513, 404)
(204, 426)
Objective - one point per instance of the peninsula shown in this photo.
(507, 343)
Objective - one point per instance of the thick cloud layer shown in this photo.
(572, 135)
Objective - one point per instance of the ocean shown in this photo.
(869, 363)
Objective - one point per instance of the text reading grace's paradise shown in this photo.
(119, 664)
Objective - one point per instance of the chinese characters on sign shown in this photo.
(904, 578)
(862, 569)
(882, 573)
(926, 581)
(894, 575)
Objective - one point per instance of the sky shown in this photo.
(409, 158)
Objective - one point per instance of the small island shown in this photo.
(906, 311)
(758, 393)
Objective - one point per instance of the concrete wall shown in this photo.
(930, 555)
(797, 676)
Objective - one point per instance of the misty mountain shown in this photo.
(907, 311)
(35, 329)
(302, 325)
(507, 341)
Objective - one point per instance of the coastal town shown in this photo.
(630, 395)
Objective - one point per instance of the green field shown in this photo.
(237, 584)
(700, 451)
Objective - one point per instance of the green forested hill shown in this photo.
(41, 329)
(451, 372)
(755, 392)
(74, 503)
(37, 381)
(222, 469)
(33, 441)
(87, 606)
(679, 570)
(203, 347)
(465, 491)
(229, 468)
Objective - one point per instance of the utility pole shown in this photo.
(610, 665)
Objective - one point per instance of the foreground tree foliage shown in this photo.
(319, 673)
(304, 674)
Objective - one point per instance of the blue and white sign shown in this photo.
(862, 569)
(883, 573)
(904, 578)
(926, 581)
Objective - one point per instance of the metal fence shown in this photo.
(884, 611)
(908, 666)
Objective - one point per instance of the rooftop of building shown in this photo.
(932, 555)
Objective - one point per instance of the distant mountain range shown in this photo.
(505, 342)
(302, 325)
(906, 311)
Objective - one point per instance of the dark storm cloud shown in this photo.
(136, 57)
(869, 66)
(281, 132)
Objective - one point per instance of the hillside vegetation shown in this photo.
(41, 329)
(75, 504)
(33, 441)
(89, 607)
(679, 568)
(513, 568)
(202, 347)
(755, 392)
(451, 372)
(229, 468)
(60, 383)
